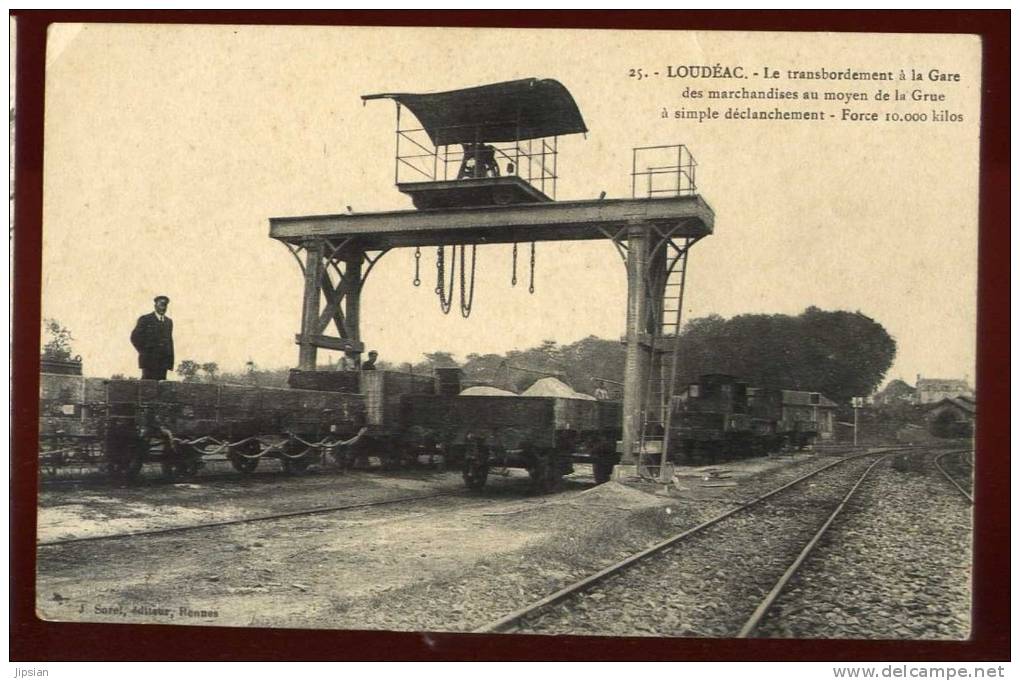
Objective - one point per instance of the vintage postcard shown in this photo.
(588, 332)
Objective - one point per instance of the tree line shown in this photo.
(838, 353)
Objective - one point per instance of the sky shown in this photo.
(168, 148)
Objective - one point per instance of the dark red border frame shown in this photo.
(34, 639)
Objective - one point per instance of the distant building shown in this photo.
(952, 417)
(897, 392)
(931, 390)
(800, 405)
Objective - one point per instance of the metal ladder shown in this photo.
(656, 409)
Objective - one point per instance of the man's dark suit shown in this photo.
(154, 341)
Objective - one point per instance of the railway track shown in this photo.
(638, 594)
(898, 566)
(319, 510)
(964, 460)
(242, 521)
(99, 479)
(752, 622)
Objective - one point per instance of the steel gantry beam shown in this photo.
(642, 230)
(682, 216)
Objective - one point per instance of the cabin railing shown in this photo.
(663, 170)
(532, 160)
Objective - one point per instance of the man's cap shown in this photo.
(159, 298)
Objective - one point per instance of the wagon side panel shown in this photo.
(384, 390)
(509, 422)
(580, 416)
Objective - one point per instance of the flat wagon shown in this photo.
(124, 424)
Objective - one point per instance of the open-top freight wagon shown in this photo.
(410, 417)
(544, 435)
(323, 417)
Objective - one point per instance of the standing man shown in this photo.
(153, 338)
(369, 364)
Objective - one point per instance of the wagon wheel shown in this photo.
(476, 467)
(342, 457)
(180, 469)
(359, 453)
(189, 467)
(298, 465)
(180, 464)
(391, 455)
(438, 458)
(602, 468)
(408, 455)
(544, 475)
(243, 457)
(124, 458)
(52, 462)
(123, 451)
(603, 472)
(126, 467)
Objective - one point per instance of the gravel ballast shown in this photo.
(896, 566)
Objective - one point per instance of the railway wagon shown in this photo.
(178, 424)
(765, 406)
(721, 415)
(544, 435)
(70, 407)
(710, 417)
(788, 427)
(344, 415)
(124, 424)
(382, 392)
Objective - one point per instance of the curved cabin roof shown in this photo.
(501, 112)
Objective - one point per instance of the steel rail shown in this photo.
(508, 620)
(241, 521)
(98, 479)
(950, 478)
(755, 619)
(770, 598)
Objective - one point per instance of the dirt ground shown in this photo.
(447, 563)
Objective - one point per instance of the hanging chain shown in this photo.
(441, 289)
(531, 282)
(417, 266)
(513, 278)
(439, 271)
(465, 303)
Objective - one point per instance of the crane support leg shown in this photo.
(310, 309)
(352, 321)
(350, 265)
(637, 358)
